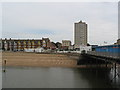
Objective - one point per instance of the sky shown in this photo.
(119, 20)
(55, 20)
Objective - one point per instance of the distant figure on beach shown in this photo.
(4, 70)
(5, 62)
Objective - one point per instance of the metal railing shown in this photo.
(105, 54)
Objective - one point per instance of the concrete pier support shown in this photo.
(115, 73)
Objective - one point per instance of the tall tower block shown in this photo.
(80, 34)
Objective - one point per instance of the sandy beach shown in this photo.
(37, 59)
(42, 60)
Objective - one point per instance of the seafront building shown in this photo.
(66, 44)
(85, 49)
(22, 44)
(118, 42)
(80, 34)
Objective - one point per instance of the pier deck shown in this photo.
(110, 57)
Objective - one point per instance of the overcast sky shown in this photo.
(56, 20)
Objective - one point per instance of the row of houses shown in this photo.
(36, 44)
(29, 45)
(22, 44)
(45, 43)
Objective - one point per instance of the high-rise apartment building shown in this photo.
(80, 34)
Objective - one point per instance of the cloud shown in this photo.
(0, 20)
(40, 31)
(60, 1)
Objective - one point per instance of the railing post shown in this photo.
(115, 69)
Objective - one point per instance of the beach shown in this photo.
(38, 59)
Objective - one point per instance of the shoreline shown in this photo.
(77, 66)
(25, 59)
(38, 59)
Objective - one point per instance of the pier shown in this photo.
(105, 56)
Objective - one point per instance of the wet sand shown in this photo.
(37, 59)
(42, 60)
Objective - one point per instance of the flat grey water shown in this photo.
(58, 77)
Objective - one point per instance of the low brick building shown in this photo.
(66, 44)
(118, 42)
